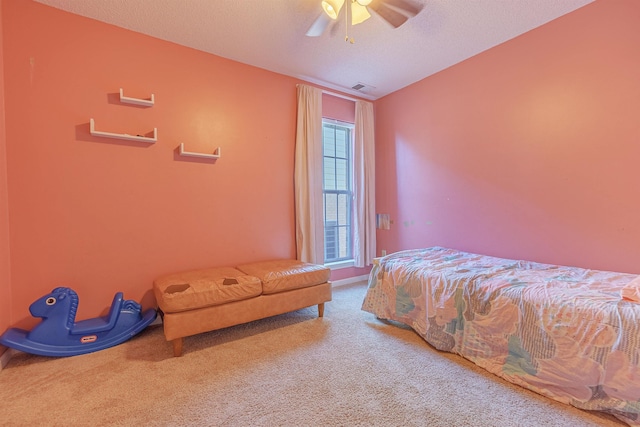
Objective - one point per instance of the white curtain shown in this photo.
(308, 176)
(364, 232)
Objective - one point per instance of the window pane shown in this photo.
(331, 247)
(341, 144)
(343, 242)
(331, 208)
(343, 212)
(341, 174)
(337, 192)
(329, 146)
(329, 173)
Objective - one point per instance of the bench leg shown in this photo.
(321, 309)
(177, 347)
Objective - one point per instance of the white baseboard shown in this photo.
(349, 280)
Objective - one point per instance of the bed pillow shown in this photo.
(631, 291)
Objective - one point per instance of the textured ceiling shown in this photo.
(270, 34)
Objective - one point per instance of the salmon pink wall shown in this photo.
(5, 276)
(104, 215)
(334, 107)
(528, 150)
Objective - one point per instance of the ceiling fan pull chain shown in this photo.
(346, 24)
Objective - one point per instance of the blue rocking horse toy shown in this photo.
(59, 335)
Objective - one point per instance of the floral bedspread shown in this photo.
(564, 332)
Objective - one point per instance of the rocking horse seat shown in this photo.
(100, 324)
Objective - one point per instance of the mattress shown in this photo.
(564, 332)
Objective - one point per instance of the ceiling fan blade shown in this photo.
(319, 25)
(406, 7)
(389, 14)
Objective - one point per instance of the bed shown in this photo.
(568, 333)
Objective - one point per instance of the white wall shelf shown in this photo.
(215, 155)
(136, 101)
(148, 139)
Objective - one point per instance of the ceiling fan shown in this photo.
(395, 12)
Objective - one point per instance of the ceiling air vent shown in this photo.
(362, 87)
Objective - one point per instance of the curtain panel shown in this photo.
(308, 176)
(364, 173)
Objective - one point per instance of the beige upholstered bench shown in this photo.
(198, 301)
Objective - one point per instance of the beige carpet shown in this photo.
(347, 369)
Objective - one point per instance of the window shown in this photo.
(337, 190)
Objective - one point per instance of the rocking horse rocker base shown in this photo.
(59, 335)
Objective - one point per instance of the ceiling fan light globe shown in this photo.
(332, 7)
(359, 13)
(364, 2)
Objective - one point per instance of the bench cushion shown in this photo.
(285, 274)
(190, 290)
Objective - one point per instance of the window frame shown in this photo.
(348, 260)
